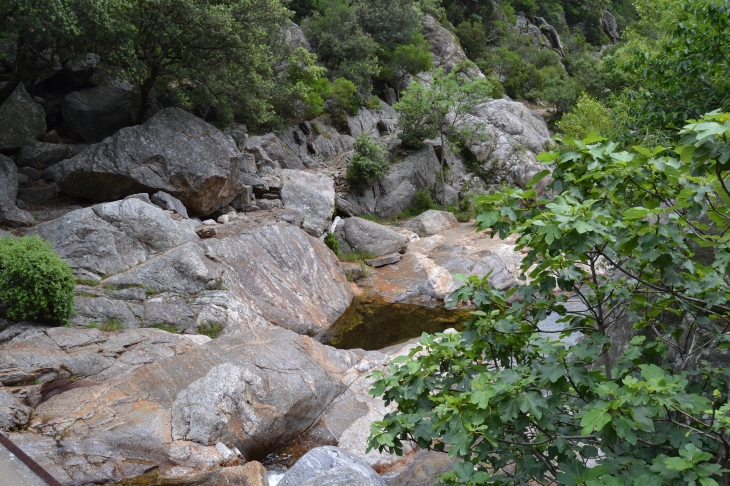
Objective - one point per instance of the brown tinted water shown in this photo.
(375, 324)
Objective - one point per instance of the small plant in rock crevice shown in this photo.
(331, 241)
(109, 325)
(165, 327)
(211, 329)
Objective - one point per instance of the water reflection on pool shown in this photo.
(375, 324)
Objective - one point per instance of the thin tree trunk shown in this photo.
(145, 91)
(443, 184)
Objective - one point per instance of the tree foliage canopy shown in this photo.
(678, 70)
(633, 253)
(189, 42)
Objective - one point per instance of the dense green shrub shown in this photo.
(589, 116)
(406, 59)
(341, 44)
(34, 282)
(368, 164)
(472, 38)
(344, 93)
(389, 22)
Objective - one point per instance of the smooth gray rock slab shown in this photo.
(313, 194)
(513, 136)
(96, 113)
(174, 152)
(166, 201)
(23, 121)
(10, 214)
(330, 466)
(110, 238)
(375, 123)
(446, 51)
(432, 222)
(40, 155)
(279, 384)
(357, 235)
(293, 278)
(384, 260)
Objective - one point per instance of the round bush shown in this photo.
(34, 281)
(368, 163)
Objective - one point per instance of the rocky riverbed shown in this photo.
(205, 290)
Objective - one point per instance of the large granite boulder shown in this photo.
(294, 37)
(41, 155)
(107, 239)
(357, 235)
(330, 466)
(23, 121)
(10, 214)
(139, 266)
(96, 113)
(292, 278)
(432, 222)
(174, 152)
(396, 191)
(551, 34)
(122, 428)
(317, 140)
(313, 194)
(80, 69)
(512, 136)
